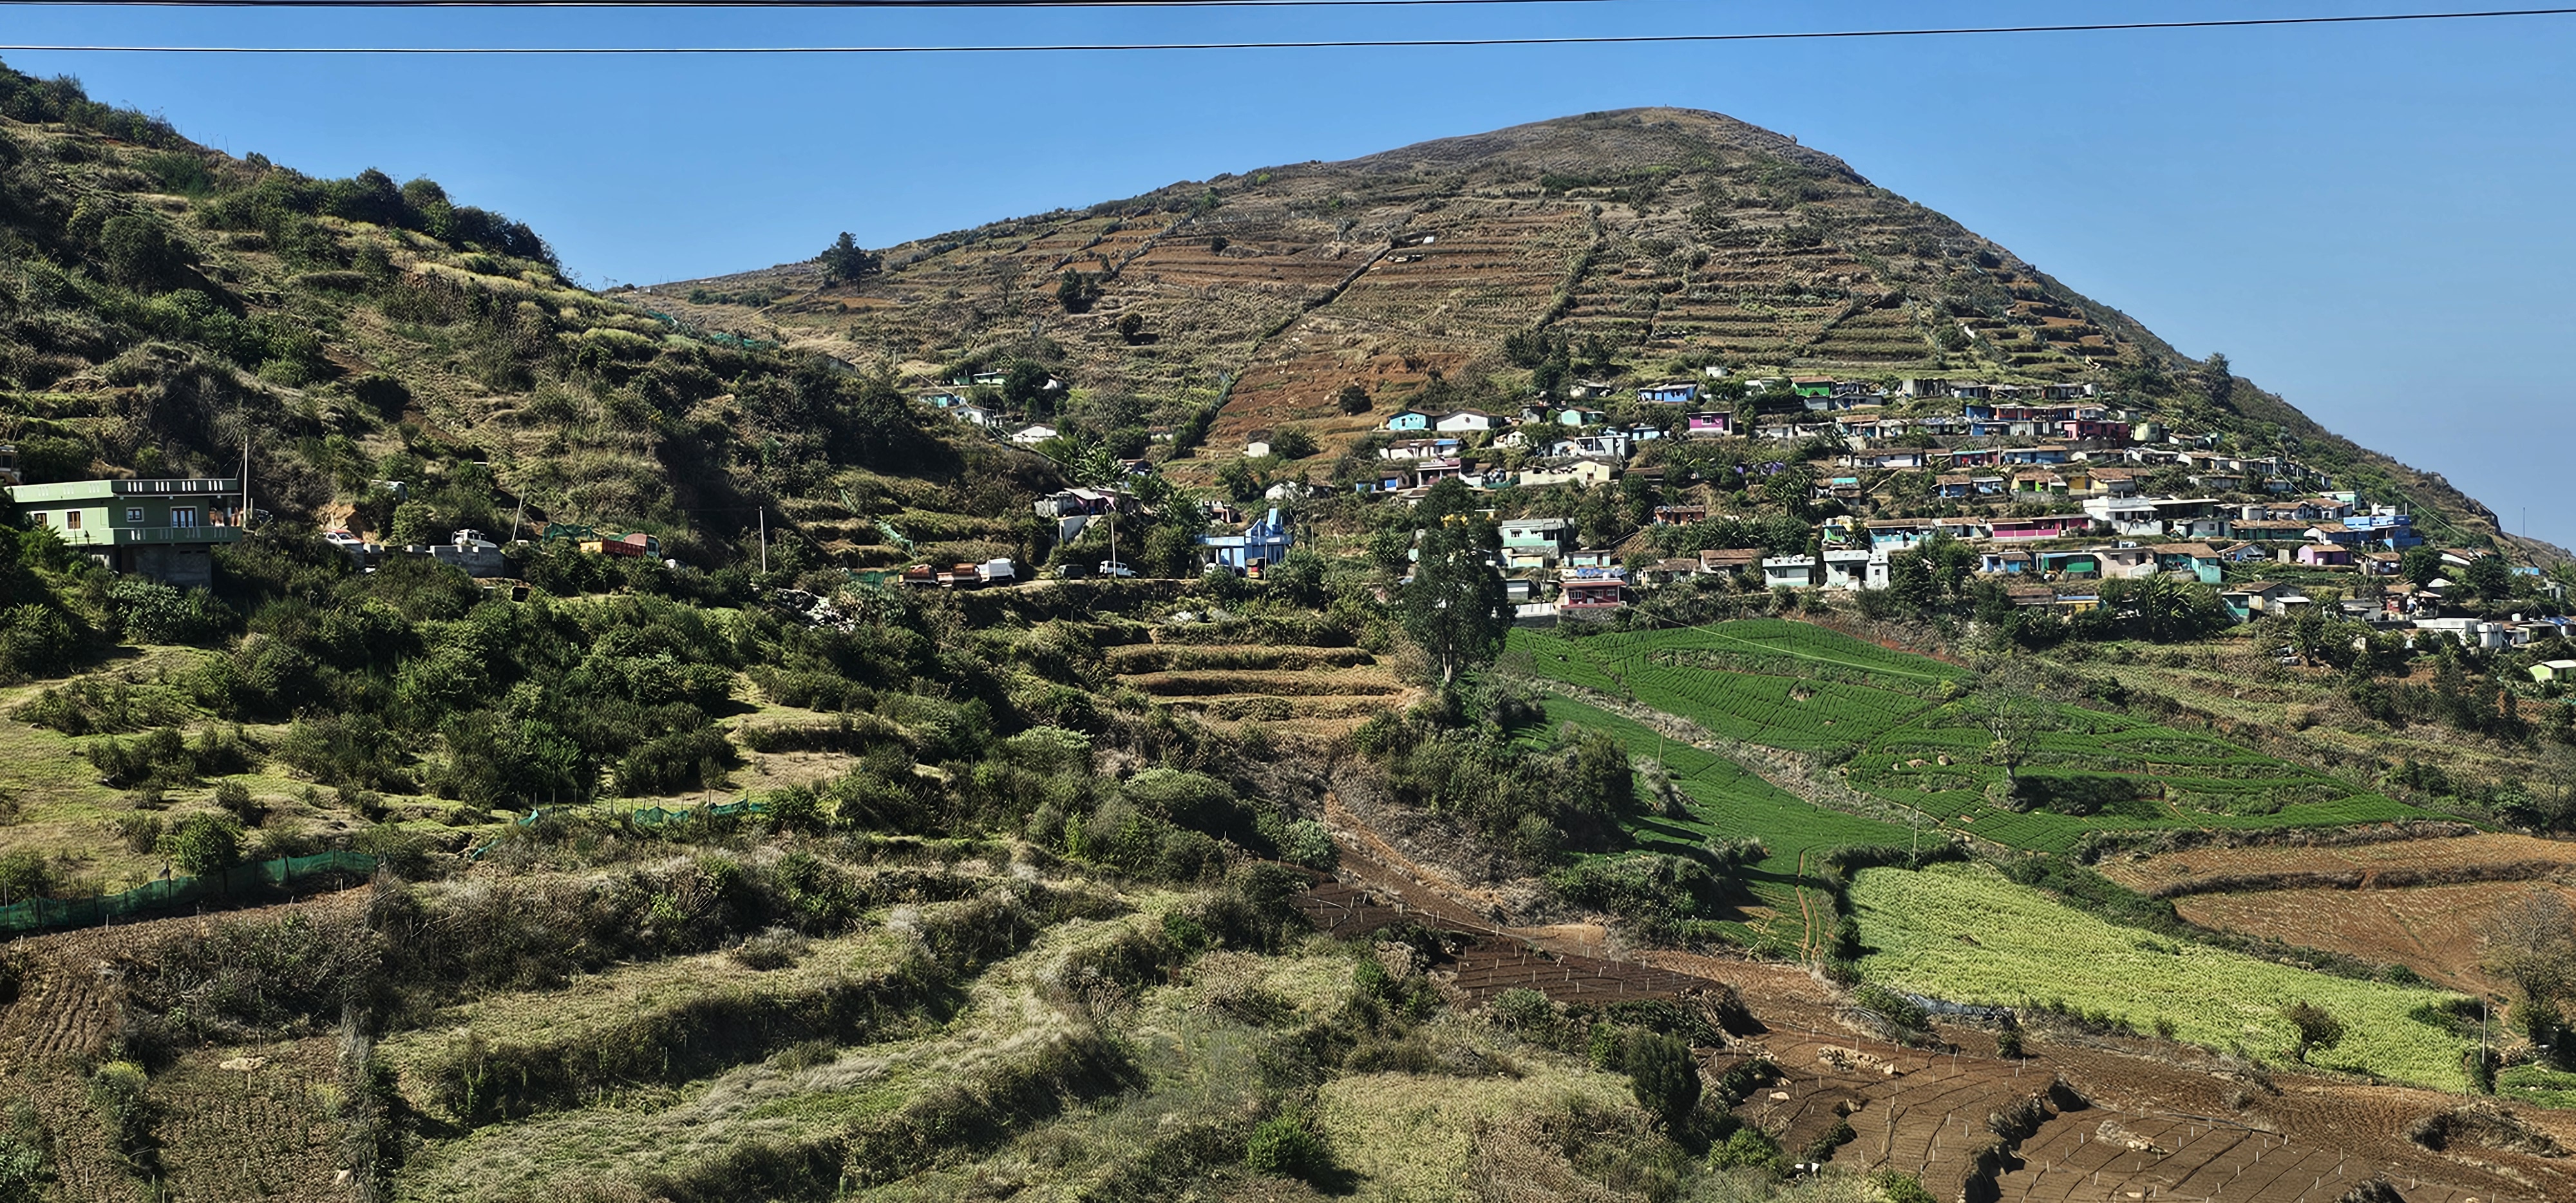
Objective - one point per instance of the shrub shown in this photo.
(1900, 1187)
(235, 799)
(141, 832)
(1748, 1149)
(1664, 1077)
(773, 948)
(24, 875)
(1284, 1146)
(204, 844)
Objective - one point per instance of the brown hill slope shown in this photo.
(1673, 237)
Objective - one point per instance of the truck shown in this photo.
(993, 572)
(638, 544)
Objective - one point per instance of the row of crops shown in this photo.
(1829, 694)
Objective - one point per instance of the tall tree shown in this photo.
(845, 263)
(1454, 607)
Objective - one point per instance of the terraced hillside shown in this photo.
(1304, 689)
(1652, 240)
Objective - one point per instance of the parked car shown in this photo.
(1115, 568)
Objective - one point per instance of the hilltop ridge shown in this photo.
(1661, 240)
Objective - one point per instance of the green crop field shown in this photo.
(2140, 775)
(1963, 933)
(1802, 688)
(1835, 699)
(1730, 802)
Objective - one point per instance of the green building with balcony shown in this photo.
(163, 529)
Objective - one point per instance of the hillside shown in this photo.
(1652, 241)
(750, 868)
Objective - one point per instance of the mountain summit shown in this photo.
(1652, 241)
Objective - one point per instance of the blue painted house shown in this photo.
(1263, 543)
(1409, 420)
(1669, 394)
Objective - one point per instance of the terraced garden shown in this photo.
(1315, 690)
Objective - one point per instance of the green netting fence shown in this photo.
(239, 882)
(650, 816)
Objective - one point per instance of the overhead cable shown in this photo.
(1331, 44)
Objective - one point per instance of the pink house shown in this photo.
(2325, 555)
(2053, 526)
(1711, 424)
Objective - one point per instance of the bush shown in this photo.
(1664, 1076)
(1748, 1149)
(204, 844)
(235, 799)
(151, 612)
(1285, 1147)
(24, 875)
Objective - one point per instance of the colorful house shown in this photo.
(1263, 543)
(1710, 425)
(1409, 420)
(163, 529)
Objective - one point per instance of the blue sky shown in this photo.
(2371, 220)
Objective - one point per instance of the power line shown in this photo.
(1346, 44)
(765, 3)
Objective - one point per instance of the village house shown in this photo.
(1709, 425)
(2198, 560)
(1465, 421)
(1590, 591)
(2006, 563)
(1033, 434)
(1584, 472)
(1789, 572)
(1261, 544)
(2048, 526)
(1616, 444)
(1419, 449)
(1728, 562)
(1534, 542)
(1409, 420)
(1675, 393)
(1579, 416)
(165, 529)
(2255, 598)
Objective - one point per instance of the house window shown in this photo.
(134, 515)
(71, 519)
(183, 515)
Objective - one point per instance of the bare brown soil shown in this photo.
(2128, 1118)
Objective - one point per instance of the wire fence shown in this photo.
(239, 882)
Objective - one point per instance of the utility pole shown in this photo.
(245, 481)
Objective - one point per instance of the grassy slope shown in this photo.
(1730, 802)
(1804, 689)
(1965, 934)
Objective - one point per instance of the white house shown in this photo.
(1032, 435)
(1464, 421)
